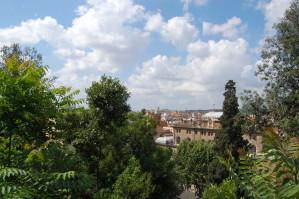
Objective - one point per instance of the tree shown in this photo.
(132, 183)
(279, 68)
(192, 161)
(226, 190)
(139, 142)
(101, 141)
(38, 164)
(70, 118)
(255, 112)
(23, 55)
(60, 150)
(165, 177)
(118, 145)
(229, 140)
(273, 174)
(230, 136)
(18, 183)
(108, 101)
(26, 101)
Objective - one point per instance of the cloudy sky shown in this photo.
(169, 53)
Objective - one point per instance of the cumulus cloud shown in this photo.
(91, 46)
(32, 32)
(273, 11)
(231, 29)
(196, 82)
(154, 23)
(179, 31)
(107, 35)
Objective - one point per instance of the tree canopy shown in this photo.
(279, 68)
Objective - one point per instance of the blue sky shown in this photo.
(174, 54)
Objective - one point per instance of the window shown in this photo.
(178, 140)
(178, 130)
(188, 131)
(195, 132)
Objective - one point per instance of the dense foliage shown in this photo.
(193, 161)
(279, 68)
(226, 190)
(229, 140)
(274, 114)
(50, 147)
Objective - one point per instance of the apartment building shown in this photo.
(206, 129)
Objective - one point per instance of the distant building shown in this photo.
(211, 120)
(166, 140)
(191, 132)
(160, 129)
(206, 129)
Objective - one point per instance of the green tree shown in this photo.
(226, 190)
(117, 145)
(230, 136)
(31, 110)
(138, 135)
(279, 68)
(193, 161)
(70, 117)
(18, 183)
(101, 141)
(107, 100)
(273, 174)
(255, 112)
(23, 55)
(229, 140)
(132, 183)
(26, 101)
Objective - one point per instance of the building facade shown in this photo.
(206, 130)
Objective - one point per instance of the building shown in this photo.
(161, 125)
(206, 130)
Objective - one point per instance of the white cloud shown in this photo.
(231, 29)
(102, 38)
(154, 23)
(273, 11)
(107, 35)
(179, 31)
(196, 2)
(198, 81)
(32, 32)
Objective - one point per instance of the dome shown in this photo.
(212, 115)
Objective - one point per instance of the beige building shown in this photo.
(206, 130)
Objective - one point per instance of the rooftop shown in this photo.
(213, 115)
